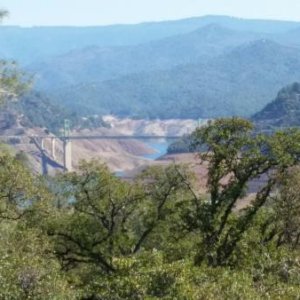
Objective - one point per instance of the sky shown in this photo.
(105, 12)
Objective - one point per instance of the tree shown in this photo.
(103, 219)
(13, 82)
(235, 156)
(29, 269)
(17, 188)
(286, 206)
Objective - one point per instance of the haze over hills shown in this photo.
(130, 166)
(200, 67)
(37, 43)
(36, 110)
(103, 63)
(239, 82)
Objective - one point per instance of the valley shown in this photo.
(158, 160)
(206, 67)
(145, 79)
(121, 156)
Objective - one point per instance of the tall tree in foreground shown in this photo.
(29, 270)
(236, 156)
(287, 209)
(110, 218)
(12, 81)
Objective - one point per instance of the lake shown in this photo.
(160, 148)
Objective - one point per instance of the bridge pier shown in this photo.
(67, 155)
(43, 144)
(53, 148)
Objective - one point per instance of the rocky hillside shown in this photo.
(283, 111)
(119, 155)
(34, 109)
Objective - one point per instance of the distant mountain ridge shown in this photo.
(199, 67)
(37, 43)
(104, 63)
(239, 82)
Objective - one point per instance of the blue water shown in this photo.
(160, 148)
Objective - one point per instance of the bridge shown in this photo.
(40, 142)
(66, 138)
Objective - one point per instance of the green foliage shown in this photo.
(235, 156)
(12, 81)
(287, 209)
(91, 235)
(110, 218)
(149, 276)
(17, 187)
(26, 271)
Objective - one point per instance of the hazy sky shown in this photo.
(99, 12)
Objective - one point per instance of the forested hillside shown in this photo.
(102, 63)
(200, 67)
(283, 111)
(239, 82)
(35, 110)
